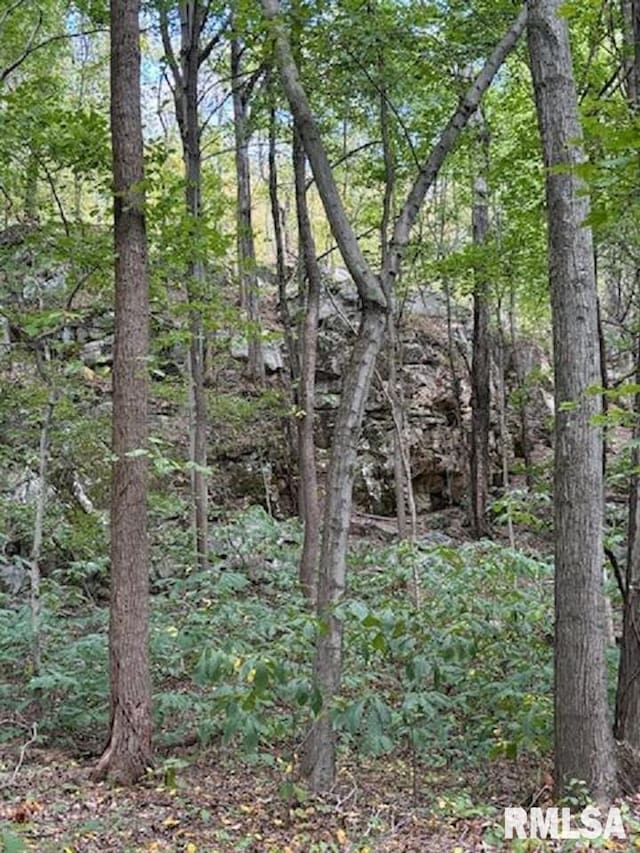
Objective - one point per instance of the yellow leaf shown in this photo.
(170, 822)
(341, 835)
(191, 848)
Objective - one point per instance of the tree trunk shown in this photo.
(128, 752)
(37, 534)
(503, 431)
(319, 758)
(627, 723)
(246, 249)
(523, 392)
(310, 505)
(584, 748)
(191, 22)
(394, 394)
(186, 99)
(481, 358)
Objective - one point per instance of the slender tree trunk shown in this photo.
(604, 380)
(279, 240)
(584, 746)
(37, 535)
(627, 721)
(246, 249)
(481, 360)
(319, 760)
(523, 393)
(502, 422)
(186, 98)
(128, 752)
(310, 504)
(394, 392)
(290, 421)
(191, 23)
(627, 724)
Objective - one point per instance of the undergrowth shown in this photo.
(463, 676)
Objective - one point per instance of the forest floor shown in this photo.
(216, 802)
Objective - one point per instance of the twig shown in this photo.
(23, 751)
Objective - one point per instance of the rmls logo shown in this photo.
(557, 823)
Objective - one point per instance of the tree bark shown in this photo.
(310, 504)
(128, 752)
(481, 357)
(394, 393)
(584, 748)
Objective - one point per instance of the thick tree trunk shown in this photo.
(481, 359)
(128, 752)
(246, 249)
(584, 748)
(310, 504)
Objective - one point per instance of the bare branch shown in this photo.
(168, 49)
(33, 48)
(9, 10)
(205, 52)
(366, 281)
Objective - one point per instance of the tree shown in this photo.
(242, 89)
(128, 752)
(309, 502)
(186, 96)
(319, 762)
(481, 361)
(584, 748)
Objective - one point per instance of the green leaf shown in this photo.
(12, 843)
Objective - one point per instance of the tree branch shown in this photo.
(168, 49)
(32, 48)
(366, 281)
(448, 138)
(205, 52)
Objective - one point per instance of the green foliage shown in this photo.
(466, 676)
(521, 506)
